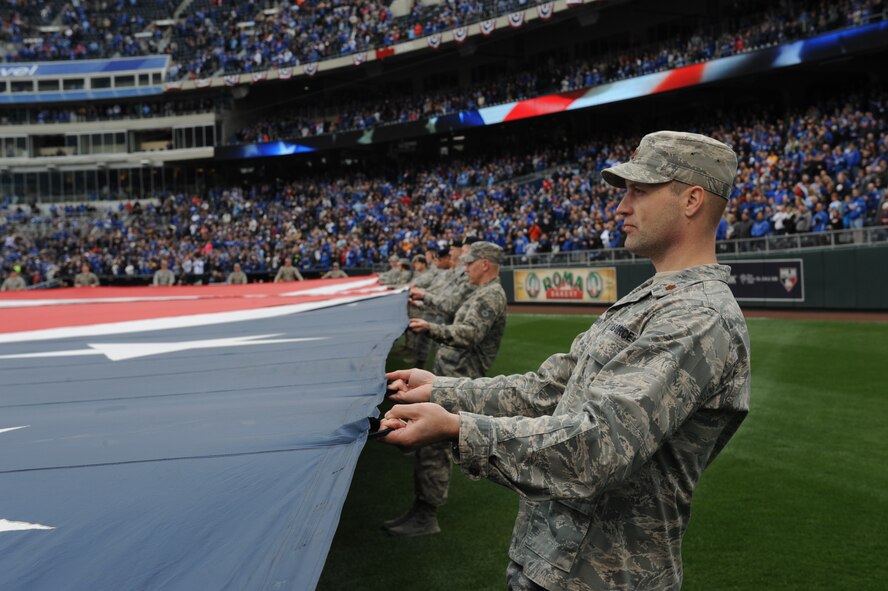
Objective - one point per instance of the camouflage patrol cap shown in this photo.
(483, 250)
(418, 258)
(691, 158)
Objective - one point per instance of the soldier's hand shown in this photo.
(425, 423)
(411, 385)
(416, 293)
(418, 325)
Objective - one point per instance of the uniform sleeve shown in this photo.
(299, 275)
(277, 278)
(531, 395)
(630, 405)
(448, 302)
(471, 325)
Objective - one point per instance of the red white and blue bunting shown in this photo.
(285, 73)
(488, 27)
(516, 19)
(176, 85)
(573, 2)
(310, 69)
(460, 34)
(258, 76)
(359, 58)
(544, 11)
(435, 41)
(203, 82)
(232, 80)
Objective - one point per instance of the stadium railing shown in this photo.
(849, 238)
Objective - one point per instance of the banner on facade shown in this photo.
(569, 285)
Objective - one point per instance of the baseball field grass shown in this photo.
(798, 499)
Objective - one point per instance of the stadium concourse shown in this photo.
(193, 437)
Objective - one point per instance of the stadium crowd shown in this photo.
(83, 29)
(211, 36)
(771, 25)
(753, 25)
(808, 171)
(86, 112)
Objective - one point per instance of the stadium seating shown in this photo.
(529, 202)
(212, 37)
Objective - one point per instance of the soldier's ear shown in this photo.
(694, 198)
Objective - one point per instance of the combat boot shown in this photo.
(423, 522)
(388, 523)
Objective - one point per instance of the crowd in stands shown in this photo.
(212, 36)
(83, 29)
(773, 25)
(803, 172)
(753, 25)
(85, 112)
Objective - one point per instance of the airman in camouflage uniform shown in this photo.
(605, 444)
(14, 281)
(423, 277)
(85, 278)
(468, 348)
(237, 276)
(334, 273)
(406, 272)
(444, 296)
(288, 272)
(398, 275)
(163, 276)
(387, 277)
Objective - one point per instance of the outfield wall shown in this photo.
(844, 278)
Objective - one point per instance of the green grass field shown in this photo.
(798, 499)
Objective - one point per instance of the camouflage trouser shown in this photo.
(431, 473)
(417, 345)
(422, 344)
(425, 346)
(516, 581)
(410, 337)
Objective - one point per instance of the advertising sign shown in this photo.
(569, 285)
(769, 280)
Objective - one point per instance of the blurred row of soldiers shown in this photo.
(457, 303)
(438, 287)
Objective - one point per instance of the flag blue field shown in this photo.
(191, 455)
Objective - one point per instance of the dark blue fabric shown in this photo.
(203, 469)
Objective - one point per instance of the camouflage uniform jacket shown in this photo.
(87, 279)
(288, 274)
(164, 277)
(395, 277)
(445, 297)
(470, 343)
(441, 279)
(605, 444)
(386, 277)
(423, 281)
(13, 284)
(237, 278)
